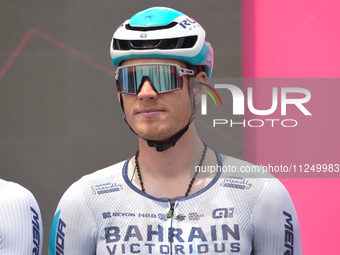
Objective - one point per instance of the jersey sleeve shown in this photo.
(21, 229)
(275, 222)
(73, 227)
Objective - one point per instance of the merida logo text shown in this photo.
(289, 235)
(60, 238)
(36, 232)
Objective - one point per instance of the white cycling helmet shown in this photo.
(161, 32)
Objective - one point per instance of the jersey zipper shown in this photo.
(170, 214)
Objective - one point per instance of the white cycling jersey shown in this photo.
(104, 213)
(21, 230)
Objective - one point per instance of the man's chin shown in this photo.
(159, 135)
(157, 138)
(155, 135)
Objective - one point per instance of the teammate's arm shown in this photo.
(21, 229)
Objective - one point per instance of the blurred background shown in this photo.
(59, 114)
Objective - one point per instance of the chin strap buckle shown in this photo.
(161, 146)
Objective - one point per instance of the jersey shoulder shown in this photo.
(99, 181)
(259, 184)
(239, 167)
(273, 216)
(14, 192)
(113, 171)
(74, 218)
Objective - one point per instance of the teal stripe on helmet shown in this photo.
(156, 16)
(53, 235)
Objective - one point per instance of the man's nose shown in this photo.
(146, 91)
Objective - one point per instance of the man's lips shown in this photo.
(149, 112)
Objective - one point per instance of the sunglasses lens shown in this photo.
(164, 78)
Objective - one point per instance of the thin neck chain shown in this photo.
(192, 180)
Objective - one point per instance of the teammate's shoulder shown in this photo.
(14, 193)
(13, 189)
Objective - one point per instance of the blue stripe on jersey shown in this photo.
(53, 235)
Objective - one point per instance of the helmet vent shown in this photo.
(163, 44)
(170, 25)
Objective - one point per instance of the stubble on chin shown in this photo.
(153, 128)
(154, 134)
(150, 128)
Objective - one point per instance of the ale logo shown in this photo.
(204, 97)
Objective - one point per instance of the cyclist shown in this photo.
(150, 203)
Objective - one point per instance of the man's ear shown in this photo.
(200, 78)
(197, 87)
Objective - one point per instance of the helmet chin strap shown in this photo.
(163, 145)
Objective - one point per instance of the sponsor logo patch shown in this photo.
(106, 188)
(237, 183)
